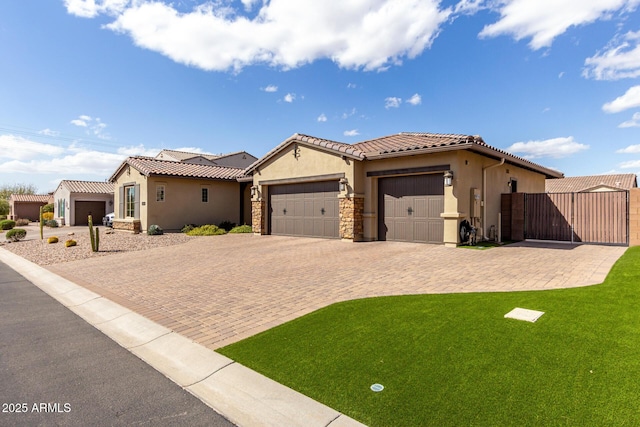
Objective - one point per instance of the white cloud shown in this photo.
(416, 99)
(620, 59)
(322, 118)
(215, 35)
(351, 86)
(28, 149)
(290, 97)
(544, 20)
(49, 132)
(633, 164)
(555, 147)
(140, 150)
(392, 102)
(630, 99)
(348, 114)
(633, 123)
(95, 126)
(631, 149)
(561, 74)
(79, 122)
(80, 162)
(271, 88)
(92, 8)
(352, 132)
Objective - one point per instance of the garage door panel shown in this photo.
(85, 208)
(312, 209)
(411, 207)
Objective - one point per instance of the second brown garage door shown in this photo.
(305, 209)
(410, 208)
(93, 208)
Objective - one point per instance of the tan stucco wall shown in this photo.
(183, 201)
(309, 162)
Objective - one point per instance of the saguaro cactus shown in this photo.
(95, 238)
(41, 224)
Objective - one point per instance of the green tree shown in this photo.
(7, 190)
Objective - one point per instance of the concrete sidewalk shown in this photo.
(243, 396)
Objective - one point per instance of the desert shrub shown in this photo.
(47, 216)
(20, 222)
(155, 230)
(52, 239)
(51, 223)
(7, 224)
(241, 229)
(48, 208)
(16, 234)
(188, 227)
(70, 242)
(227, 225)
(206, 230)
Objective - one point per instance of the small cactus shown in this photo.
(95, 238)
(52, 239)
(70, 243)
(41, 224)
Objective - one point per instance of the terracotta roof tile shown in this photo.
(151, 166)
(96, 187)
(585, 183)
(408, 141)
(34, 198)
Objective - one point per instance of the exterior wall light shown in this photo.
(448, 178)
(343, 184)
(254, 190)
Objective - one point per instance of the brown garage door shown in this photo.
(410, 208)
(305, 209)
(93, 208)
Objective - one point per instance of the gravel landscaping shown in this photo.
(43, 253)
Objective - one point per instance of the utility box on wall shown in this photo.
(475, 204)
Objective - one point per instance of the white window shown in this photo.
(160, 191)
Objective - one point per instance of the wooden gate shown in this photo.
(601, 217)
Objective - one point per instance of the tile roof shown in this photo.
(411, 141)
(185, 155)
(96, 187)
(34, 198)
(407, 144)
(149, 166)
(585, 183)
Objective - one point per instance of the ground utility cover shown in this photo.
(524, 314)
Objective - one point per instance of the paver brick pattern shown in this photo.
(218, 290)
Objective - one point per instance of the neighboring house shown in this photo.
(240, 159)
(414, 187)
(27, 206)
(595, 183)
(171, 193)
(74, 201)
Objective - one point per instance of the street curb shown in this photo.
(245, 397)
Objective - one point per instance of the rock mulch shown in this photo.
(43, 253)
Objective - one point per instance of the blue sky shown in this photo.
(85, 83)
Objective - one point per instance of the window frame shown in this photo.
(204, 195)
(163, 189)
(129, 201)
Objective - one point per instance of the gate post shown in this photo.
(634, 217)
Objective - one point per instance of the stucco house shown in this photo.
(74, 201)
(172, 193)
(27, 206)
(413, 187)
(594, 183)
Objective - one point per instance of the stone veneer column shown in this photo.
(258, 217)
(351, 218)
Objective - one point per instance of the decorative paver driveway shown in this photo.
(221, 289)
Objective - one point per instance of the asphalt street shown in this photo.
(56, 369)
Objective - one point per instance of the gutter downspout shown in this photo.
(484, 196)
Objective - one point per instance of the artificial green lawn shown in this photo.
(454, 360)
